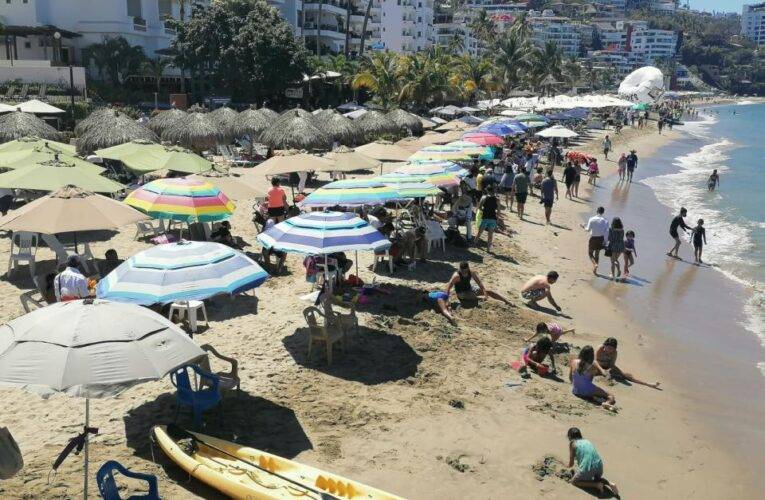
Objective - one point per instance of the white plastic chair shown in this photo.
(189, 308)
(435, 235)
(380, 257)
(63, 253)
(146, 228)
(25, 246)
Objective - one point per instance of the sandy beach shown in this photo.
(416, 406)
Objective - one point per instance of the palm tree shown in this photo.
(472, 75)
(512, 56)
(156, 69)
(379, 73)
(485, 29)
(364, 28)
(425, 78)
(547, 65)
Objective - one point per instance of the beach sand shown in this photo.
(416, 406)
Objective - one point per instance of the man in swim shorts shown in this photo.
(538, 288)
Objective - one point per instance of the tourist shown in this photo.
(462, 282)
(506, 187)
(549, 193)
(441, 300)
(521, 190)
(569, 176)
(699, 235)
(577, 179)
(277, 201)
(605, 362)
(488, 208)
(712, 183)
(532, 357)
(622, 163)
(111, 262)
(71, 284)
(222, 234)
(581, 372)
(677, 222)
(660, 125)
(589, 465)
(630, 252)
(616, 246)
(554, 330)
(606, 146)
(597, 226)
(593, 170)
(539, 288)
(632, 163)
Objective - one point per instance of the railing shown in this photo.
(139, 24)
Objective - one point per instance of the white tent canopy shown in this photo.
(644, 85)
(557, 131)
(565, 102)
(39, 108)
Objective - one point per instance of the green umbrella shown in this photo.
(33, 142)
(41, 156)
(640, 107)
(142, 157)
(55, 174)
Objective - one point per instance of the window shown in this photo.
(134, 8)
(27, 45)
(165, 8)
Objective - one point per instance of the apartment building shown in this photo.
(653, 45)
(547, 27)
(753, 23)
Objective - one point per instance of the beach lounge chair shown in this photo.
(107, 486)
(327, 332)
(189, 308)
(206, 396)
(23, 249)
(227, 380)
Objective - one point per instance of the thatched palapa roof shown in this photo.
(339, 127)
(295, 129)
(164, 119)
(111, 129)
(197, 132)
(226, 119)
(270, 113)
(375, 124)
(16, 125)
(94, 120)
(406, 120)
(252, 122)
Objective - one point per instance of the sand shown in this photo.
(416, 406)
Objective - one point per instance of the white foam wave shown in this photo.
(746, 103)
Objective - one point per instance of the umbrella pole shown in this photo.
(75, 243)
(357, 263)
(87, 424)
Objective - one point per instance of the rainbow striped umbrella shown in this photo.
(183, 199)
(351, 192)
(409, 186)
(472, 149)
(483, 138)
(439, 153)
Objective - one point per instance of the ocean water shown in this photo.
(730, 140)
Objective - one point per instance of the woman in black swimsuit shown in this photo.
(462, 282)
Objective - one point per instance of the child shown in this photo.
(630, 252)
(533, 356)
(553, 329)
(593, 170)
(699, 235)
(589, 465)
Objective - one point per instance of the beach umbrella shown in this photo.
(532, 120)
(164, 119)
(345, 159)
(252, 123)
(197, 131)
(226, 119)
(427, 123)
(186, 270)
(296, 129)
(33, 142)
(43, 155)
(470, 149)
(90, 349)
(142, 157)
(322, 233)
(69, 210)
(111, 130)
(471, 120)
(454, 125)
(235, 184)
(17, 125)
(438, 179)
(557, 131)
(504, 128)
(483, 138)
(350, 193)
(38, 108)
(440, 153)
(375, 124)
(342, 130)
(406, 120)
(640, 107)
(4, 108)
(56, 173)
(429, 139)
(409, 188)
(181, 199)
(429, 167)
(384, 151)
(287, 164)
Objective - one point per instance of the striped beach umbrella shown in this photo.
(504, 128)
(426, 167)
(439, 153)
(184, 199)
(471, 150)
(483, 138)
(187, 270)
(351, 192)
(322, 233)
(438, 179)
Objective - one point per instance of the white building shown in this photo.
(653, 45)
(560, 30)
(753, 23)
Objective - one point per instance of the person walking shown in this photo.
(488, 207)
(699, 240)
(569, 177)
(606, 146)
(677, 222)
(521, 188)
(577, 179)
(632, 163)
(549, 189)
(616, 246)
(630, 252)
(622, 163)
(597, 226)
(712, 184)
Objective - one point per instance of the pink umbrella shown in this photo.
(483, 138)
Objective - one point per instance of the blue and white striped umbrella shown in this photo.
(321, 233)
(188, 270)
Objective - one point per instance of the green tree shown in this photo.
(379, 73)
(425, 78)
(485, 29)
(115, 59)
(155, 68)
(512, 58)
(547, 63)
(472, 76)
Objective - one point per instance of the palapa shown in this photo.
(300, 162)
(375, 124)
(406, 120)
(113, 129)
(17, 125)
(226, 119)
(94, 120)
(342, 129)
(295, 129)
(252, 123)
(164, 119)
(197, 132)
(270, 113)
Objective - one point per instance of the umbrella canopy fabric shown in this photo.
(112, 129)
(351, 192)
(38, 108)
(236, 185)
(57, 173)
(90, 349)
(287, 164)
(296, 129)
(187, 270)
(640, 107)
(557, 131)
(483, 138)
(141, 157)
(408, 188)
(181, 199)
(4, 108)
(440, 153)
(504, 128)
(32, 142)
(438, 179)
(348, 160)
(165, 119)
(70, 210)
(428, 168)
(16, 125)
(384, 151)
(43, 156)
(197, 131)
(322, 233)
(454, 125)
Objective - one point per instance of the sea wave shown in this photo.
(746, 103)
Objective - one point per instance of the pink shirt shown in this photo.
(555, 331)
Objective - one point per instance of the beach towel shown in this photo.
(11, 460)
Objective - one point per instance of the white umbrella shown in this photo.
(90, 349)
(557, 131)
(4, 108)
(39, 108)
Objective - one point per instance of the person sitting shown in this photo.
(581, 372)
(71, 284)
(605, 362)
(222, 234)
(462, 282)
(344, 264)
(538, 288)
(589, 465)
(110, 264)
(533, 356)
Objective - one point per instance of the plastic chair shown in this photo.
(146, 228)
(380, 257)
(107, 486)
(33, 299)
(189, 308)
(435, 235)
(329, 333)
(62, 253)
(198, 399)
(227, 380)
(26, 248)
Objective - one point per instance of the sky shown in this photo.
(719, 5)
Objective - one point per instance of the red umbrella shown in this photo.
(483, 138)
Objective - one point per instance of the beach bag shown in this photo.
(11, 460)
(608, 252)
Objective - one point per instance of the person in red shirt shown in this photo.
(277, 201)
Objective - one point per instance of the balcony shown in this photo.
(139, 24)
(330, 7)
(327, 30)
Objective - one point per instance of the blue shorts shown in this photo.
(434, 296)
(489, 224)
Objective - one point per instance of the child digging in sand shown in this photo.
(533, 355)
(589, 465)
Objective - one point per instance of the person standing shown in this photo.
(549, 189)
(712, 184)
(699, 240)
(597, 226)
(569, 177)
(577, 179)
(677, 222)
(632, 163)
(606, 146)
(277, 201)
(521, 188)
(616, 246)
(6, 200)
(630, 252)
(488, 207)
(622, 163)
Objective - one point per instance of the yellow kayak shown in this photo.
(252, 474)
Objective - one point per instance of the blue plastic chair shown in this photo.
(107, 486)
(200, 399)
